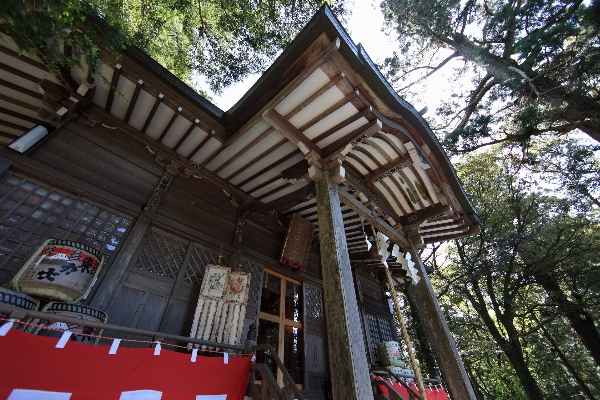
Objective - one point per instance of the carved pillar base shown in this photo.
(449, 360)
(347, 355)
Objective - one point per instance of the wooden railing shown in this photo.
(269, 390)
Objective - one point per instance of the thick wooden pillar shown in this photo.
(443, 344)
(347, 356)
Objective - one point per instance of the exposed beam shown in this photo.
(366, 111)
(18, 102)
(152, 112)
(345, 144)
(288, 201)
(186, 134)
(348, 98)
(14, 126)
(233, 157)
(25, 59)
(202, 143)
(422, 215)
(288, 130)
(173, 118)
(374, 220)
(282, 159)
(113, 86)
(19, 115)
(315, 95)
(327, 52)
(19, 73)
(134, 97)
(257, 158)
(389, 168)
(435, 239)
(10, 136)
(27, 92)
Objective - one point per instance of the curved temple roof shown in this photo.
(322, 105)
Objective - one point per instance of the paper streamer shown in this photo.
(6, 327)
(114, 346)
(194, 355)
(225, 358)
(63, 340)
(157, 349)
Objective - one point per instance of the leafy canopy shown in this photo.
(534, 66)
(222, 40)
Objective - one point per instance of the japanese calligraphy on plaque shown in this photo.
(298, 240)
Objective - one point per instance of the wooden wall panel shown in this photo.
(200, 213)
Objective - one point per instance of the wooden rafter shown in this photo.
(10, 136)
(232, 157)
(258, 157)
(326, 54)
(152, 112)
(17, 88)
(19, 115)
(400, 161)
(347, 99)
(171, 121)
(18, 102)
(281, 160)
(364, 113)
(315, 95)
(345, 144)
(288, 130)
(113, 86)
(395, 194)
(420, 216)
(199, 146)
(186, 134)
(368, 215)
(19, 73)
(133, 101)
(13, 126)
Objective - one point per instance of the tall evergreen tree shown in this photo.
(534, 65)
(533, 265)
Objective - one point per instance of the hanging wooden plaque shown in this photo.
(298, 240)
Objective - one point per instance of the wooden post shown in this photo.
(347, 356)
(449, 360)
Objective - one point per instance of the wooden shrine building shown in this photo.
(162, 182)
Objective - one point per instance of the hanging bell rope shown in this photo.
(382, 249)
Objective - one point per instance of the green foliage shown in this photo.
(42, 27)
(493, 285)
(223, 41)
(534, 66)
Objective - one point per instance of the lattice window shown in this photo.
(194, 273)
(380, 330)
(314, 303)
(256, 281)
(31, 213)
(162, 255)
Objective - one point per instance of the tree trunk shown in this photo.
(511, 346)
(584, 388)
(580, 320)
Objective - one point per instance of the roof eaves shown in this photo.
(388, 95)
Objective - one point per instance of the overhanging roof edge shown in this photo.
(389, 96)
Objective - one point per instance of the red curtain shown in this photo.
(90, 373)
(432, 394)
